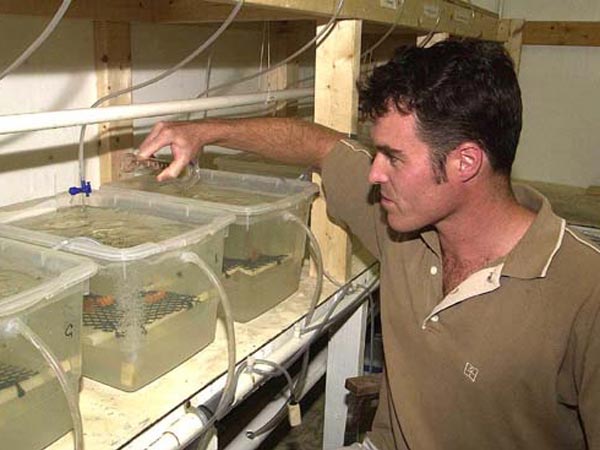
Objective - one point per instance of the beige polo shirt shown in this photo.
(508, 360)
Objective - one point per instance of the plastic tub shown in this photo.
(255, 165)
(148, 310)
(263, 251)
(43, 289)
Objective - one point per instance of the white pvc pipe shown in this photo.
(183, 431)
(16, 123)
(316, 370)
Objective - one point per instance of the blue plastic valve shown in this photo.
(85, 188)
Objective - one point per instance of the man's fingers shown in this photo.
(157, 139)
(174, 169)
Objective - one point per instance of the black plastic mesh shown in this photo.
(13, 375)
(109, 318)
(230, 265)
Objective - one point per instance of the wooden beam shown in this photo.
(417, 15)
(158, 11)
(585, 34)
(457, 18)
(194, 11)
(113, 72)
(336, 106)
(111, 10)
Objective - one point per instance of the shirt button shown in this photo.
(435, 318)
(433, 270)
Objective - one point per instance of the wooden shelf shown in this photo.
(417, 16)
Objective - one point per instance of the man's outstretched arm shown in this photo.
(283, 139)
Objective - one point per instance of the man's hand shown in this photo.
(282, 139)
(184, 139)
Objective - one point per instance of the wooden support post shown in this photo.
(336, 106)
(113, 72)
(514, 43)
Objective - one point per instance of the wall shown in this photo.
(59, 76)
(561, 93)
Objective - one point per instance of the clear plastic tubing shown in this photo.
(324, 31)
(40, 39)
(371, 49)
(230, 384)
(161, 76)
(297, 389)
(318, 258)
(18, 326)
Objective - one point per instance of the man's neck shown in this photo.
(485, 229)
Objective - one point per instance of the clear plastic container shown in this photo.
(263, 251)
(43, 289)
(148, 309)
(250, 163)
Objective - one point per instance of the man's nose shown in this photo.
(377, 173)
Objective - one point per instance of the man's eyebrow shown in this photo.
(389, 151)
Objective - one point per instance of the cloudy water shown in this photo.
(110, 226)
(13, 281)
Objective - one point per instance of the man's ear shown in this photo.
(465, 162)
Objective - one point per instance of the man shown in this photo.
(490, 306)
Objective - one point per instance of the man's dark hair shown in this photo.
(459, 90)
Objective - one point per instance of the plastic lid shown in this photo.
(208, 221)
(280, 193)
(250, 163)
(63, 270)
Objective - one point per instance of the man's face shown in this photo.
(410, 194)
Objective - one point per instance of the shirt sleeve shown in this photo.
(350, 198)
(588, 372)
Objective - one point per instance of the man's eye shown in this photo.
(394, 160)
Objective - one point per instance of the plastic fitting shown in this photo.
(85, 188)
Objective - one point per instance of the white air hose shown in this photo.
(16, 325)
(229, 388)
(40, 39)
(324, 31)
(371, 49)
(156, 79)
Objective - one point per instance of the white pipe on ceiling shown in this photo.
(18, 123)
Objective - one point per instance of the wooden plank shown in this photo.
(514, 43)
(336, 106)
(113, 72)
(194, 11)
(159, 11)
(585, 34)
(419, 15)
(365, 385)
(457, 18)
(112, 10)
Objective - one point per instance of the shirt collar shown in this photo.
(533, 254)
